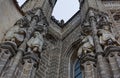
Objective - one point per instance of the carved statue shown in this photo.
(15, 34)
(87, 46)
(36, 42)
(102, 19)
(106, 37)
(22, 22)
(86, 28)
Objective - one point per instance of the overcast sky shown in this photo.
(21, 2)
(64, 9)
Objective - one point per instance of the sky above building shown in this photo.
(20, 2)
(64, 9)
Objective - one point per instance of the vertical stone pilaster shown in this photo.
(88, 62)
(54, 64)
(114, 65)
(16, 61)
(5, 55)
(28, 69)
(104, 67)
(64, 65)
(43, 69)
(118, 58)
(89, 69)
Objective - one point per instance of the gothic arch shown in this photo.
(75, 45)
(71, 57)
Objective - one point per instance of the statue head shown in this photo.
(86, 28)
(36, 33)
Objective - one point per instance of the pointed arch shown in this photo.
(71, 56)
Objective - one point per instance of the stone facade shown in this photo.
(39, 46)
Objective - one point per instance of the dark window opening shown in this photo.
(77, 70)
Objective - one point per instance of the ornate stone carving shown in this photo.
(36, 42)
(101, 61)
(18, 32)
(30, 65)
(86, 28)
(102, 19)
(87, 46)
(106, 37)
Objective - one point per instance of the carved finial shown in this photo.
(61, 22)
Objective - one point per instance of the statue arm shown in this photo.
(30, 42)
(101, 40)
(79, 52)
(84, 40)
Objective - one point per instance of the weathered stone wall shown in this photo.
(42, 71)
(50, 60)
(71, 38)
(61, 51)
(30, 4)
(8, 16)
(67, 50)
(44, 4)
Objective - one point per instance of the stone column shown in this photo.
(112, 54)
(102, 63)
(118, 58)
(18, 57)
(103, 67)
(114, 65)
(88, 63)
(29, 67)
(5, 55)
(7, 50)
(11, 71)
(89, 69)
